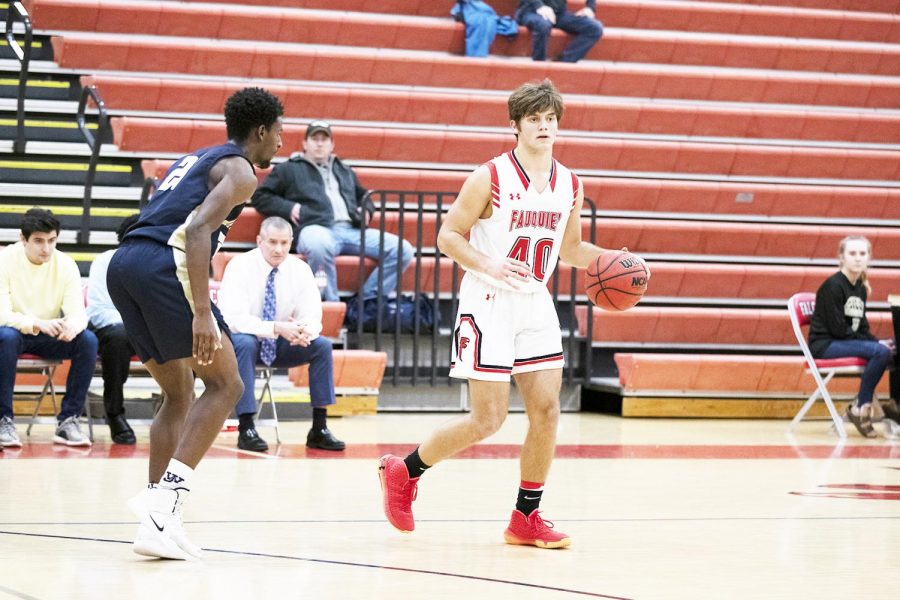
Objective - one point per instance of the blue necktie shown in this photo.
(267, 348)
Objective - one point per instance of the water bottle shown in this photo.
(321, 280)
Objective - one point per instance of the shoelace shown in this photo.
(407, 495)
(539, 523)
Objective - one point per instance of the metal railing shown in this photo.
(150, 185)
(15, 11)
(409, 364)
(94, 143)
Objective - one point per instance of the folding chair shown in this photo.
(29, 363)
(266, 373)
(801, 307)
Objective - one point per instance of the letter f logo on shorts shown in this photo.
(463, 344)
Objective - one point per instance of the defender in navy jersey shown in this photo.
(513, 217)
(159, 281)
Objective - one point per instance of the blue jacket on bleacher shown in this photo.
(482, 25)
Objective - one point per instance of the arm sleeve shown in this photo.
(234, 303)
(309, 303)
(831, 308)
(9, 317)
(73, 298)
(592, 4)
(269, 197)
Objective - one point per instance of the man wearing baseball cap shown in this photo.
(323, 199)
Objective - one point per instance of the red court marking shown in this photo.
(511, 451)
(850, 495)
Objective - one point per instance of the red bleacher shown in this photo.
(715, 137)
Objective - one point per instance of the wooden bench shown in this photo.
(734, 386)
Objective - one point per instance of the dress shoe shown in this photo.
(890, 410)
(249, 440)
(323, 439)
(120, 431)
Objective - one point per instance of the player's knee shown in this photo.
(487, 423)
(545, 414)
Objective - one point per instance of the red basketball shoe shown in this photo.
(535, 531)
(398, 492)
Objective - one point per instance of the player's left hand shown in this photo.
(890, 344)
(585, 12)
(206, 338)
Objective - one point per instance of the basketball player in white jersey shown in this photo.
(521, 212)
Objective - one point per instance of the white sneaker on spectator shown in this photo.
(8, 436)
(161, 532)
(70, 434)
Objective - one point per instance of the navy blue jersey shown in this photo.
(175, 202)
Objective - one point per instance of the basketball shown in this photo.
(616, 281)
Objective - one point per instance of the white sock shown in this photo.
(177, 476)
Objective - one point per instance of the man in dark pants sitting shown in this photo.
(271, 304)
(541, 16)
(115, 349)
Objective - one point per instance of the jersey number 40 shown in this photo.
(522, 250)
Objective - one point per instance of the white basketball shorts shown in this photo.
(499, 333)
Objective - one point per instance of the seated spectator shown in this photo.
(115, 349)
(324, 200)
(839, 329)
(271, 304)
(42, 313)
(541, 16)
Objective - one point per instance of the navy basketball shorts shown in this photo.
(500, 333)
(149, 285)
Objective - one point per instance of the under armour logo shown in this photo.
(515, 196)
(172, 478)
(490, 296)
(463, 342)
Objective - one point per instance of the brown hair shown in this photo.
(864, 277)
(532, 98)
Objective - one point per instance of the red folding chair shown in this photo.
(801, 307)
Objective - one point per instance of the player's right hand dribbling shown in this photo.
(509, 270)
(206, 339)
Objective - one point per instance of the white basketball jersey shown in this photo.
(525, 225)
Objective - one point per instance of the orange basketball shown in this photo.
(617, 280)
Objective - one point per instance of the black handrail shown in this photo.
(94, 143)
(589, 334)
(578, 366)
(15, 11)
(150, 185)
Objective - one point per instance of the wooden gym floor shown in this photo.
(656, 508)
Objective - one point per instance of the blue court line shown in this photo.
(16, 594)
(339, 563)
(351, 521)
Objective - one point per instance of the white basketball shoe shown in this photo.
(161, 531)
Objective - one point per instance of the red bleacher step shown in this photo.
(170, 95)
(335, 64)
(725, 326)
(182, 135)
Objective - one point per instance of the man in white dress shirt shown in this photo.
(271, 303)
